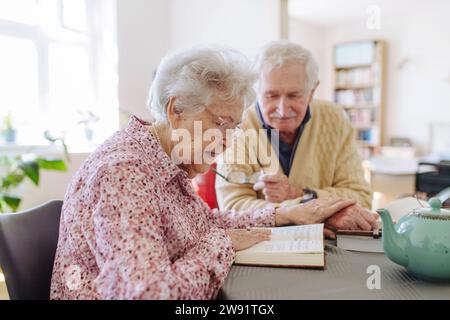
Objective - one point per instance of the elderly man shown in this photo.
(313, 149)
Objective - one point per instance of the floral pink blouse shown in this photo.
(132, 227)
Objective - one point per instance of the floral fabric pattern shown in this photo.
(132, 227)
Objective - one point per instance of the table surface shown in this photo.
(344, 277)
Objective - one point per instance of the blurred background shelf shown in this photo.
(359, 88)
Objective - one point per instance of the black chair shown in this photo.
(433, 179)
(28, 241)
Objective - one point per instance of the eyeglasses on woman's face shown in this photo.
(225, 126)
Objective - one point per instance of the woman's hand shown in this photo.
(245, 238)
(315, 211)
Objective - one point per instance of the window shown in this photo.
(52, 56)
(24, 11)
(74, 15)
(19, 75)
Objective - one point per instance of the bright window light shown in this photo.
(19, 80)
(74, 15)
(70, 87)
(55, 74)
(24, 11)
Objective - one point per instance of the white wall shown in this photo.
(311, 37)
(245, 25)
(418, 94)
(142, 39)
(148, 29)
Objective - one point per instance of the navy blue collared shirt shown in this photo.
(285, 152)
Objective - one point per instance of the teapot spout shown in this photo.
(394, 243)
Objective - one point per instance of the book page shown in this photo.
(305, 232)
(299, 246)
(299, 239)
(402, 207)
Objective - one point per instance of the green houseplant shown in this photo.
(14, 170)
(88, 119)
(8, 130)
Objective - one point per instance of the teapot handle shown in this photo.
(444, 195)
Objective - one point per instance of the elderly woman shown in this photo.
(132, 226)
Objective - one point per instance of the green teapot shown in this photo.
(420, 241)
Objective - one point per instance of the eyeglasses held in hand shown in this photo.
(239, 177)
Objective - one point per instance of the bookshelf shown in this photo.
(359, 85)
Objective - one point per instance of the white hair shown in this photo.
(281, 52)
(198, 75)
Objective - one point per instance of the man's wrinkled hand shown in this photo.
(276, 188)
(353, 217)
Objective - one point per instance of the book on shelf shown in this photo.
(357, 77)
(368, 241)
(357, 96)
(358, 86)
(361, 117)
(368, 135)
(293, 246)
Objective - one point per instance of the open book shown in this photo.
(294, 246)
(367, 241)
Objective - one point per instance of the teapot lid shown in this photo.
(435, 211)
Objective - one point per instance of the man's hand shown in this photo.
(353, 217)
(315, 211)
(276, 188)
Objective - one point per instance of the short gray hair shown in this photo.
(198, 75)
(280, 52)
